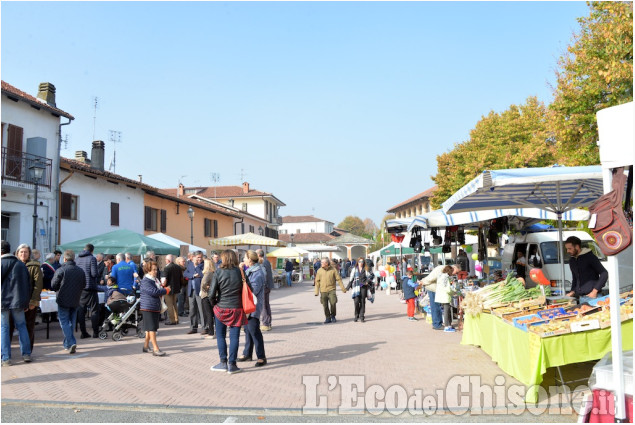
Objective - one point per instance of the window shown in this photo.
(215, 228)
(251, 229)
(69, 206)
(208, 227)
(245, 206)
(114, 214)
(266, 209)
(155, 219)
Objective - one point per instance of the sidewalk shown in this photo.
(387, 349)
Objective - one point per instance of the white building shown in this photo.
(305, 224)
(31, 128)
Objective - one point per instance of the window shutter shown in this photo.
(147, 225)
(164, 220)
(208, 227)
(14, 152)
(215, 228)
(114, 214)
(66, 205)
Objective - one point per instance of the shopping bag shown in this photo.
(248, 297)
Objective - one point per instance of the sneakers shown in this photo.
(333, 319)
(147, 350)
(412, 319)
(6, 363)
(437, 328)
(327, 321)
(27, 358)
(449, 329)
(221, 367)
(72, 349)
(232, 368)
(265, 328)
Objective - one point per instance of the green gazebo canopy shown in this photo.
(121, 241)
(391, 250)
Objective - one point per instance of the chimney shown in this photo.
(82, 156)
(46, 92)
(180, 191)
(97, 155)
(245, 187)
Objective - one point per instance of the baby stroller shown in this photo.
(124, 315)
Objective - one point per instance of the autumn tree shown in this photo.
(353, 224)
(381, 231)
(369, 227)
(596, 72)
(514, 138)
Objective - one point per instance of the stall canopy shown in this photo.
(246, 239)
(121, 241)
(162, 237)
(555, 189)
(288, 252)
(393, 250)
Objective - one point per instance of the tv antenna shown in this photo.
(243, 174)
(115, 137)
(95, 105)
(65, 141)
(215, 178)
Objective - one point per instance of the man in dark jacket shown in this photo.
(587, 272)
(265, 316)
(89, 301)
(194, 274)
(288, 268)
(16, 293)
(173, 274)
(69, 282)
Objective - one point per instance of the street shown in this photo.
(384, 369)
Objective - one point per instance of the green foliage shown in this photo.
(353, 224)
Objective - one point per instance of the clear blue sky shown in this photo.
(337, 108)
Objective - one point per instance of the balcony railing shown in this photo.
(15, 169)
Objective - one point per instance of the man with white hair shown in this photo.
(325, 284)
(125, 275)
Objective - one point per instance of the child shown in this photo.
(115, 300)
(409, 286)
(443, 297)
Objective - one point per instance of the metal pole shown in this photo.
(191, 230)
(34, 217)
(561, 254)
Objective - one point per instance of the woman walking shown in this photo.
(360, 281)
(253, 336)
(150, 306)
(225, 295)
(206, 283)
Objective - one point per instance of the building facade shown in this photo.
(305, 224)
(418, 204)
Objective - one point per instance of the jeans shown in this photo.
(289, 278)
(20, 323)
(68, 317)
(437, 315)
(234, 337)
(253, 337)
(196, 312)
(265, 315)
(29, 317)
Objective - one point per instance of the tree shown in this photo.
(381, 231)
(596, 72)
(515, 138)
(353, 224)
(369, 227)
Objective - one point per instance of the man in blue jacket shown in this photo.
(90, 300)
(16, 294)
(68, 282)
(194, 273)
(288, 268)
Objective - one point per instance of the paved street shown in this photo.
(386, 350)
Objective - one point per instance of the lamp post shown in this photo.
(260, 230)
(36, 172)
(190, 214)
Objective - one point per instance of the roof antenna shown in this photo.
(115, 137)
(215, 178)
(96, 102)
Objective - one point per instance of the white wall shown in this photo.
(93, 211)
(17, 198)
(311, 227)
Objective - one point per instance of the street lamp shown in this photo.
(260, 230)
(291, 235)
(36, 173)
(190, 214)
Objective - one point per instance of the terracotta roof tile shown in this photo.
(81, 166)
(221, 192)
(8, 89)
(425, 194)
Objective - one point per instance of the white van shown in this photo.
(545, 244)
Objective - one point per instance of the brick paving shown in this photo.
(386, 349)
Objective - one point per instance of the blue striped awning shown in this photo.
(554, 189)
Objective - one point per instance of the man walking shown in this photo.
(173, 276)
(288, 268)
(194, 274)
(325, 284)
(16, 293)
(265, 316)
(430, 284)
(587, 272)
(89, 301)
(69, 282)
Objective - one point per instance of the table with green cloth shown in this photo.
(526, 356)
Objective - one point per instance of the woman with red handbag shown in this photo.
(253, 336)
(225, 295)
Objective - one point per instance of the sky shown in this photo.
(336, 108)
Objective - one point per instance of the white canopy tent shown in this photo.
(162, 237)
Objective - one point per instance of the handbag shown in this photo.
(164, 306)
(248, 297)
(608, 223)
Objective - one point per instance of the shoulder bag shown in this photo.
(248, 297)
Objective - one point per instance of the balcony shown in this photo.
(16, 173)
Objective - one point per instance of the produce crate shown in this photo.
(523, 326)
(555, 314)
(504, 310)
(545, 330)
(589, 309)
(508, 317)
(585, 325)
